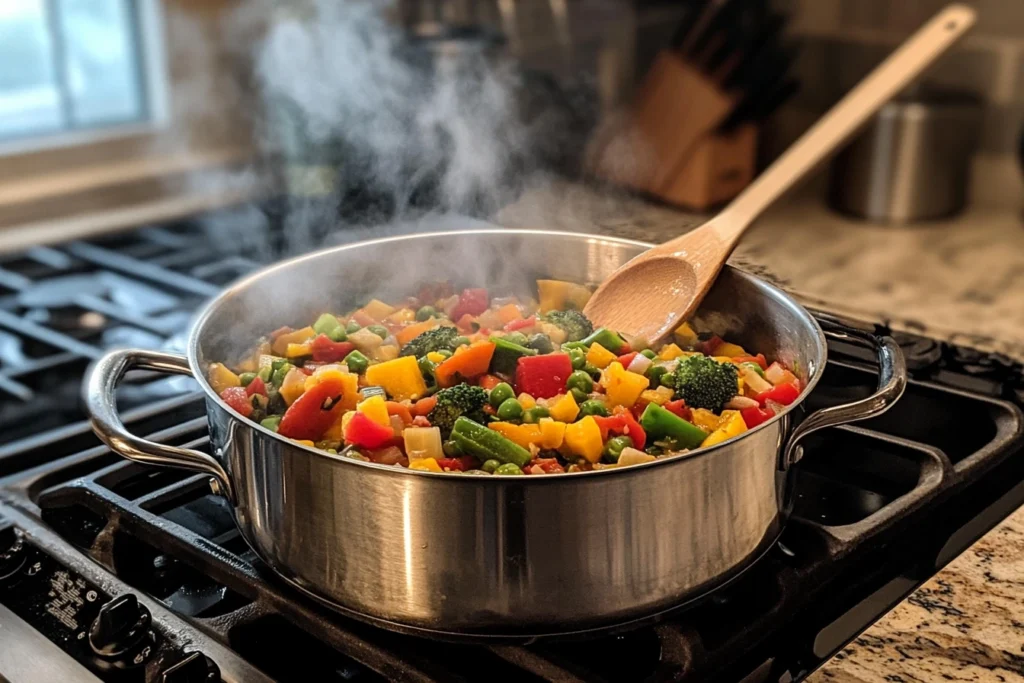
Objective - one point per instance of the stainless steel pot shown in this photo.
(483, 556)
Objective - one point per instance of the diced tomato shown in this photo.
(544, 466)
(623, 422)
(543, 376)
(327, 351)
(256, 386)
(627, 358)
(759, 359)
(314, 411)
(679, 408)
(520, 324)
(488, 382)
(754, 416)
(453, 464)
(471, 302)
(362, 431)
(238, 400)
(784, 394)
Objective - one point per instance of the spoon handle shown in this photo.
(845, 118)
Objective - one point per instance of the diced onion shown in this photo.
(640, 364)
(741, 402)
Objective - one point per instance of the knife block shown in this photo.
(667, 144)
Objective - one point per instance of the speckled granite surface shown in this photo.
(961, 280)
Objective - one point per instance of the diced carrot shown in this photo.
(488, 382)
(424, 405)
(396, 408)
(509, 312)
(410, 332)
(467, 363)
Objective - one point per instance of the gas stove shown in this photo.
(113, 571)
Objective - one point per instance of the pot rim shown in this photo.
(214, 305)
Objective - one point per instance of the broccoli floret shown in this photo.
(462, 400)
(575, 325)
(437, 339)
(704, 382)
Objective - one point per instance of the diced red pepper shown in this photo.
(520, 324)
(545, 465)
(314, 411)
(488, 382)
(627, 358)
(624, 423)
(543, 376)
(759, 359)
(679, 408)
(712, 344)
(256, 386)
(453, 464)
(238, 400)
(327, 351)
(784, 394)
(754, 416)
(471, 302)
(362, 431)
(625, 349)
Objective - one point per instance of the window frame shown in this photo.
(153, 76)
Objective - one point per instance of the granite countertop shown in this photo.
(960, 280)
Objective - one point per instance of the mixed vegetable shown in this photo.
(466, 382)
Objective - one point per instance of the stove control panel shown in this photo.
(111, 636)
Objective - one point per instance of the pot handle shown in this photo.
(102, 406)
(892, 381)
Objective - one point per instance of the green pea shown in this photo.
(533, 415)
(357, 362)
(654, 373)
(452, 449)
(510, 409)
(501, 393)
(580, 380)
(353, 326)
(426, 313)
(271, 423)
(647, 353)
(246, 378)
(578, 358)
(461, 341)
(516, 338)
(593, 407)
(579, 395)
(613, 449)
(668, 380)
(265, 372)
(592, 370)
(278, 377)
(338, 334)
(379, 330)
(427, 367)
(509, 468)
(491, 465)
(326, 324)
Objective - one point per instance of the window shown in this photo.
(74, 65)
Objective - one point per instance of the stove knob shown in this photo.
(12, 552)
(195, 668)
(121, 626)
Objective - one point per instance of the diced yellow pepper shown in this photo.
(722, 359)
(564, 408)
(653, 396)
(600, 356)
(552, 433)
(730, 425)
(584, 439)
(336, 432)
(555, 295)
(435, 357)
(293, 386)
(349, 382)
(526, 401)
(623, 387)
(298, 350)
(304, 442)
(705, 419)
(384, 353)
(221, 378)
(346, 417)
(375, 409)
(670, 352)
(400, 377)
(685, 336)
(402, 315)
(730, 350)
(377, 309)
(524, 435)
(425, 465)
(280, 345)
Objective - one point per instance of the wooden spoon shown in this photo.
(653, 293)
